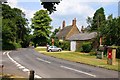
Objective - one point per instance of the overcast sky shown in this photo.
(68, 10)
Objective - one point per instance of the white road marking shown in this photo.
(43, 60)
(26, 70)
(78, 71)
(4, 53)
(36, 76)
(19, 65)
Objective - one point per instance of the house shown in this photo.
(77, 39)
(67, 31)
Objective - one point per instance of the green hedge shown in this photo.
(10, 46)
(118, 53)
(86, 47)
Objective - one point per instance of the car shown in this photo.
(53, 48)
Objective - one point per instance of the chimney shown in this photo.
(74, 22)
(63, 24)
(82, 29)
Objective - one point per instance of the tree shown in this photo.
(54, 33)
(50, 6)
(98, 20)
(108, 28)
(111, 33)
(41, 25)
(14, 27)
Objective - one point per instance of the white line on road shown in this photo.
(36, 76)
(43, 60)
(4, 53)
(26, 70)
(78, 71)
(20, 66)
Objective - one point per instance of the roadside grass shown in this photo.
(79, 57)
(12, 77)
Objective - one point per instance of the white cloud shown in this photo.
(12, 3)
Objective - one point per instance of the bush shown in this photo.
(10, 46)
(118, 53)
(65, 45)
(86, 47)
(17, 45)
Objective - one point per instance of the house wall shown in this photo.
(73, 31)
(79, 44)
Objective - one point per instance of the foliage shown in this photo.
(86, 47)
(54, 33)
(111, 33)
(65, 45)
(41, 25)
(118, 53)
(108, 28)
(14, 27)
(50, 6)
(98, 19)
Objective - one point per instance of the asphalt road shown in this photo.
(49, 67)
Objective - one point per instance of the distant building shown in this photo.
(67, 31)
(72, 34)
(77, 40)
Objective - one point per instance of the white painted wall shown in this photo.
(72, 45)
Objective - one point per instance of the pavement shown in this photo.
(20, 62)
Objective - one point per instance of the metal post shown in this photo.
(31, 75)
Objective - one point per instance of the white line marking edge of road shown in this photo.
(19, 65)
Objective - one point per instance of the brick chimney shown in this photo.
(63, 24)
(74, 22)
(82, 29)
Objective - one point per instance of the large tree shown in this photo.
(14, 27)
(98, 20)
(111, 31)
(107, 28)
(41, 25)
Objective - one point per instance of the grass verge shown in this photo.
(80, 58)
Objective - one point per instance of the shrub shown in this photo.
(65, 45)
(86, 47)
(118, 53)
(17, 45)
(10, 46)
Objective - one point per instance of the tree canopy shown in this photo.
(41, 25)
(108, 27)
(14, 27)
(50, 6)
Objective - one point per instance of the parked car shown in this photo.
(53, 48)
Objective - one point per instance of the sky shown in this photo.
(68, 10)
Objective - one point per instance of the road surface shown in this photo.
(48, 67)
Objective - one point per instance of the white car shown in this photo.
(53, 48)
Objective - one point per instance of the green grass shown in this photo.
(40, 48)
(81, 58)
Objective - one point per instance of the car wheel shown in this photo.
(59, 50)
(50, 50)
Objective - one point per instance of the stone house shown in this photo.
(67, 31)
(77, 40)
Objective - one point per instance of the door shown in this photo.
(73, 45)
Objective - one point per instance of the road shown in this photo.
(48, 67)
